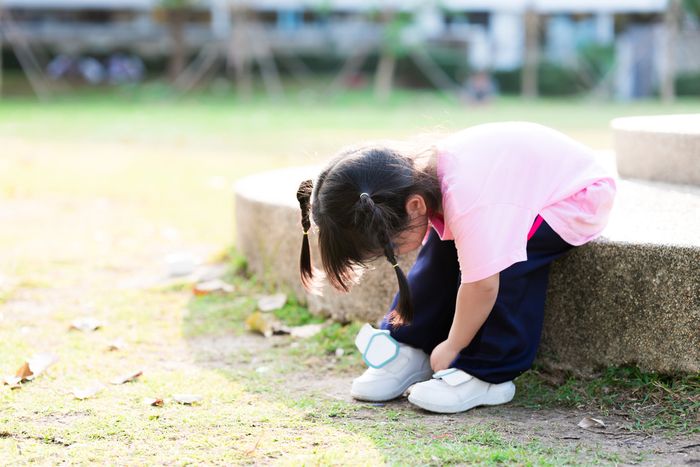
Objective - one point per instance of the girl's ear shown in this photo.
(415, 206)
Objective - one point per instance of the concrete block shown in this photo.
(664, 148)
(630, 297)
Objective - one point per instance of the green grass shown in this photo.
(97, 189)
(294, 314)
(651, 402)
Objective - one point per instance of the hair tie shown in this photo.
(306, 232)
(364, 194)
(395, 265)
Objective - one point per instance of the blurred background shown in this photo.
(624, 50)
(159, 106)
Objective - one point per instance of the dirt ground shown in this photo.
(553, 427)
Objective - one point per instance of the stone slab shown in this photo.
(663, 148)
(631, 296)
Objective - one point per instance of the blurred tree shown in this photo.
(174, 14)
(692, 7)
(397, 41)
(596, 67)
(249, 44)
(672, 20)
(529, 84)
(392, 48)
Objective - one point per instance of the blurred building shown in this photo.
(490, 33)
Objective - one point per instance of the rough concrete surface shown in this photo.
(663, 147)
(630, 296)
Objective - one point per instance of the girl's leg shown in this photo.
(506, 344)
(433, 280)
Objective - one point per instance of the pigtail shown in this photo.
(404, 308)
(304, 198)
(376, 221)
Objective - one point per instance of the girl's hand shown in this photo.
(443, 355)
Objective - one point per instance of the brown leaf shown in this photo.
(116, 344)
(89, 391)
(154, 401)
(272, 302)
(590, 422)
(36, 365)
(186, 398)
(85, 324)
(212, 286)
(126, 377)
(24, 373)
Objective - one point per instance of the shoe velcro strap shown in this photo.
(453, 376)
(377, 346)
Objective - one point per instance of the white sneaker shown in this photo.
(410, 366)
(453, 390)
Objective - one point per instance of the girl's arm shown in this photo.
(475, 301)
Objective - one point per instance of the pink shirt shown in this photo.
(497, 177)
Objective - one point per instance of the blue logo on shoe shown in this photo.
(381, 349)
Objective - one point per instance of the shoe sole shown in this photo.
(408, 382)
(497, 395)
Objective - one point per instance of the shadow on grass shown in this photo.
(310, 378)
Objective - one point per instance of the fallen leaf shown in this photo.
(272, 302)
(590, 422)
(86, 324)
(126, 377)
(262, 323)
(212, 286)
(24, 373)
(186, 398)
(36, 365)
(117, 344)
(305, 331)
(12, 381)
(88, 392)
(154, 401)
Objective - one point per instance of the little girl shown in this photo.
(491, 207)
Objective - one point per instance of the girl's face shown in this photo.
(412, 237)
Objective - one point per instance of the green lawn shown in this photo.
(96, 189)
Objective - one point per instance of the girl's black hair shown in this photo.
(359, 205)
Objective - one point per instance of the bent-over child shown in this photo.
(490, 207)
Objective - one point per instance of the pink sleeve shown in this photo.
(490, 238)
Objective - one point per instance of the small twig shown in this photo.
(662, 387)
(257, 443)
